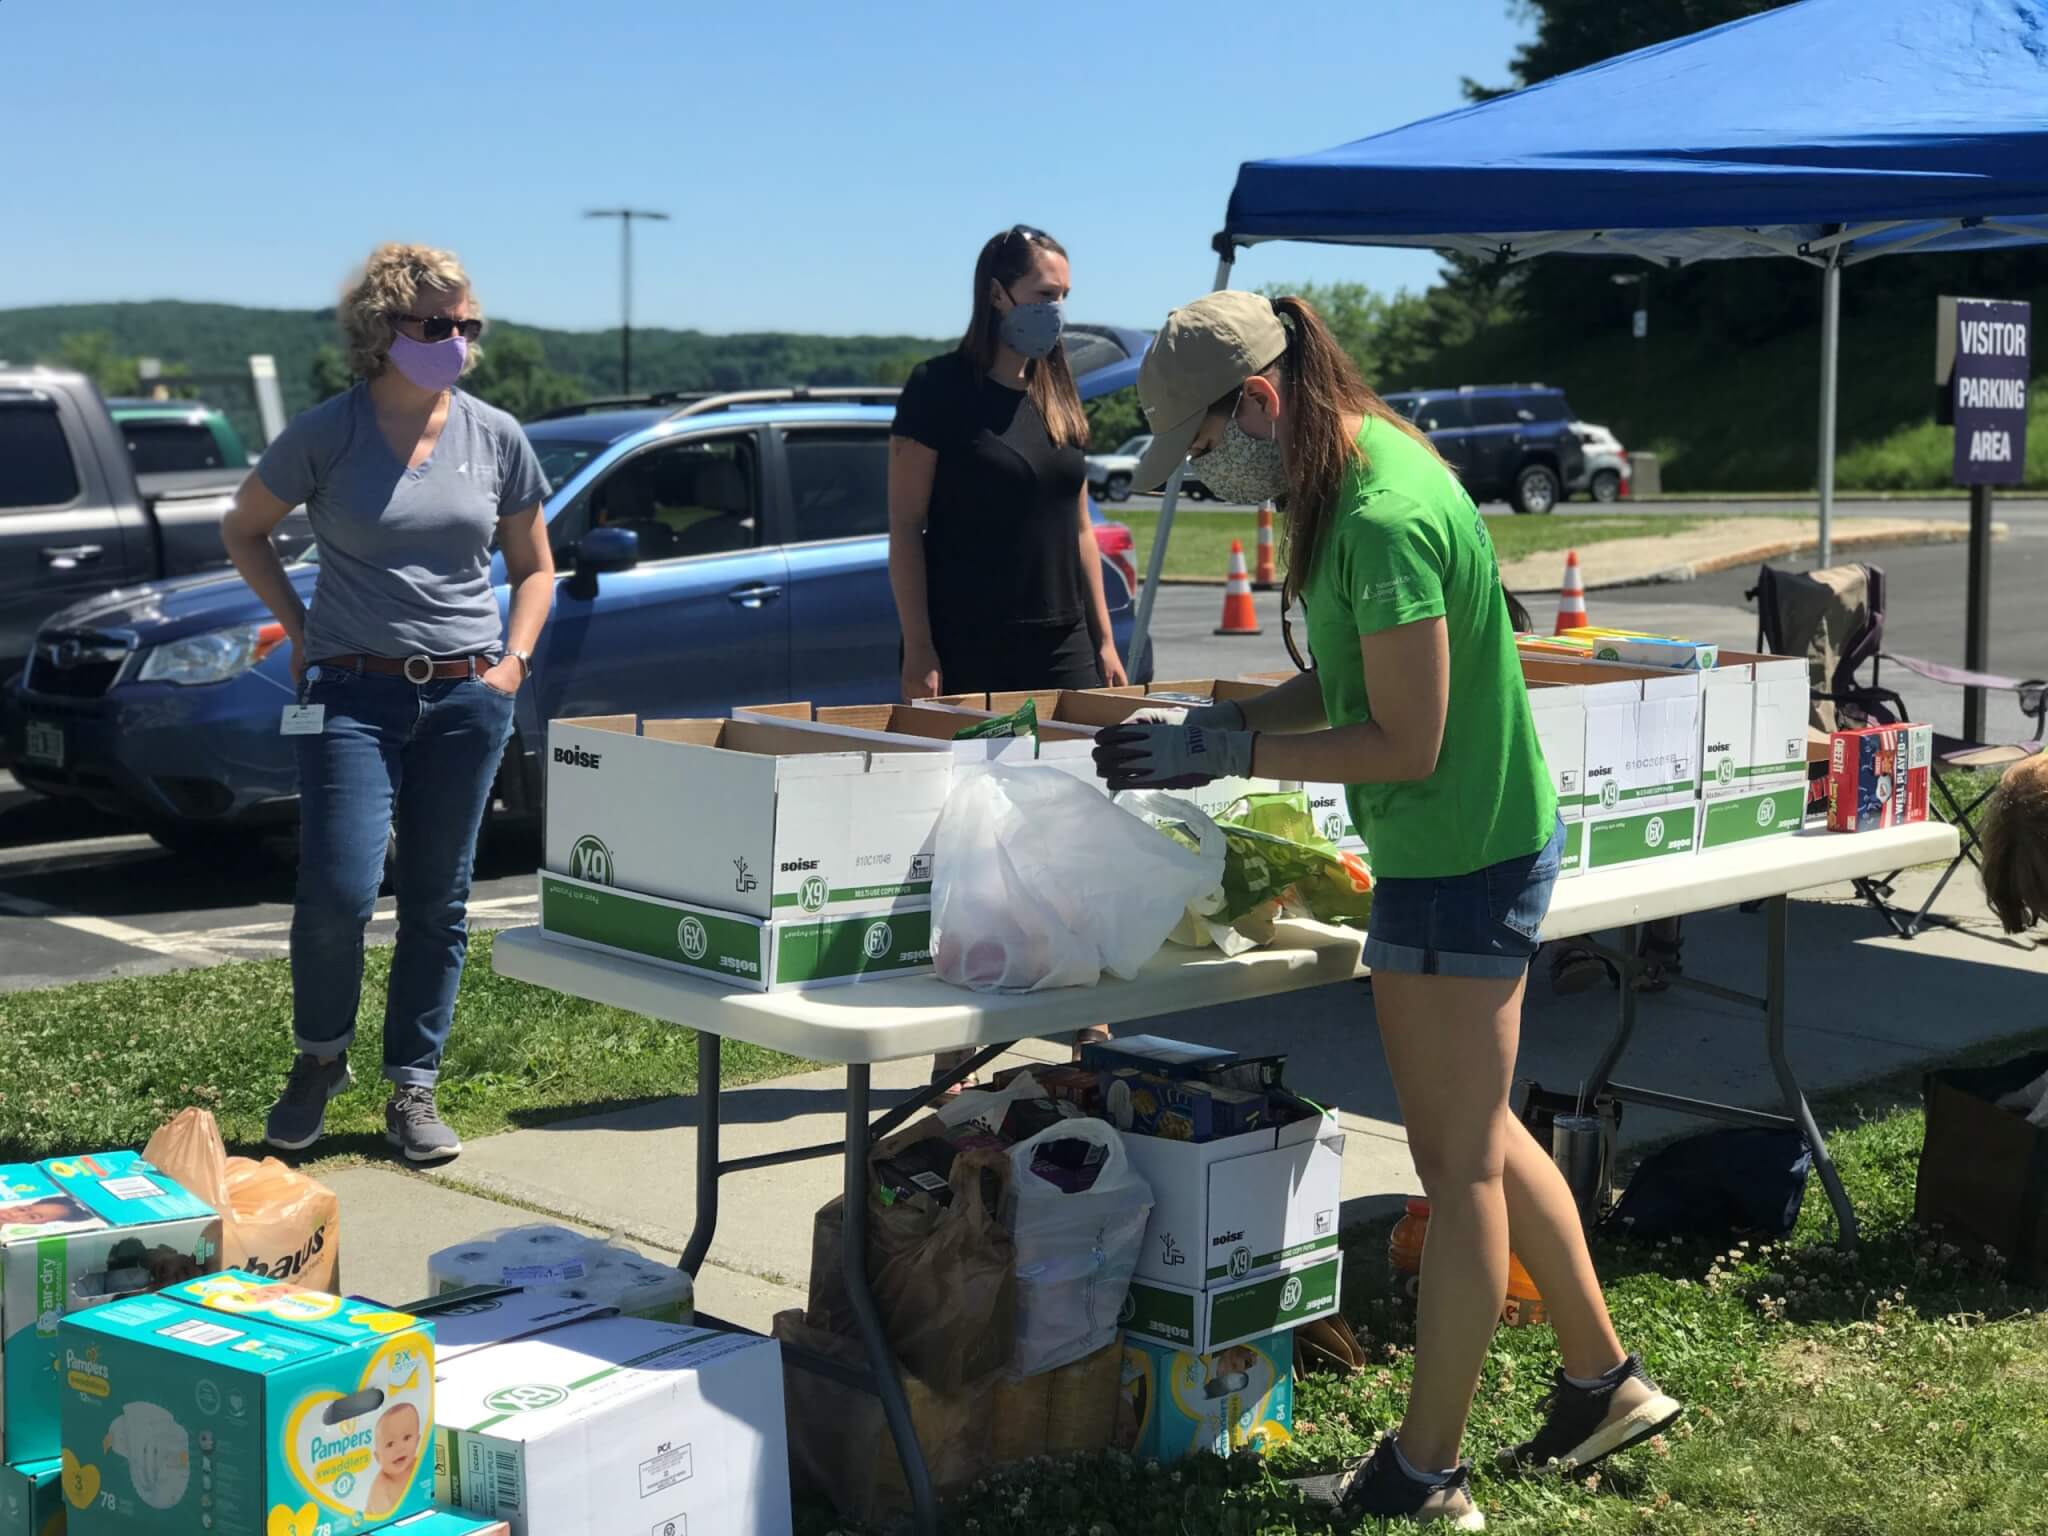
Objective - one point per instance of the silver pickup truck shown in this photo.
(75, 517)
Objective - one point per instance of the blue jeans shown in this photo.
(1484, 925)
(420, 758)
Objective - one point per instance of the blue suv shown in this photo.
(1508, 442)
(713, 551)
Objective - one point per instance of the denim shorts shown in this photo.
(1482, 925)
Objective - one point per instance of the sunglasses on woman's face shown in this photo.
(441, 327)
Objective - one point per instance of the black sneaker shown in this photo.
(414, 1126)
(300, 1113)
(1583, 1425)
(1377, 1488)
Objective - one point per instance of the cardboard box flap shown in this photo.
(756, 738)
(1235, 690)
(123, 1190)
(222, 1342)
(933, 724)
(624, 725)
(780, 711)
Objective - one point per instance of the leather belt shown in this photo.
(414, 669)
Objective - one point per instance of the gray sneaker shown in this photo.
(300, 1113)
(414, 1126)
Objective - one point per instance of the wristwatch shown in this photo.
(525, 659)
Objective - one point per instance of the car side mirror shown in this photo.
(600, 551)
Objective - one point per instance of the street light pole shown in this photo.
(625, 216)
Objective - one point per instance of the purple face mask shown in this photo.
(429, 364)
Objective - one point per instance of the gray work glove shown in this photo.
(1224, 715)
(1146, 756)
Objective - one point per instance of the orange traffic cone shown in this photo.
(1240, 614)
(1571, 602)
(1264, 577)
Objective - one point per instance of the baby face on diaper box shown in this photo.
(234, 1403)
(75, 1233)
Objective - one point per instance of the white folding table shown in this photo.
(858, 1026)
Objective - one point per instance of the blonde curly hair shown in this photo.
(390, 283)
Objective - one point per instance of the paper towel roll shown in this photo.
(556, 1261)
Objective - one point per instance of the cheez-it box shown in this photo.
(1877, 777)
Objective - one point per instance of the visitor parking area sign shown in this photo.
(1989, 388)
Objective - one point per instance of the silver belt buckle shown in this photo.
(426, 669)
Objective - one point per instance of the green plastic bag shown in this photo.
(1275, 865)
(1021, 721)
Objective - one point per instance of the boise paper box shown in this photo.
(31, 1500)
(929, 725)
(1242, 1239)
(616, 1427)
(1640, 794)
(1559, 712)
(753, 819)
(1175, 1404)
(1753, 713)
(790, 954)
(239, 1404)
(1877, 777)
(74, 1233)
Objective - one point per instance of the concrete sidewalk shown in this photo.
(1862, 1005)
(1721, 545)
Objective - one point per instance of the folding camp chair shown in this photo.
(1835, 618)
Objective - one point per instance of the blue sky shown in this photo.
(829, 167)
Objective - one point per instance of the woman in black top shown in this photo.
(992, 556)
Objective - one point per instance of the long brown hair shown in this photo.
(2015, 835)
(1050, 383)
(1323, 388)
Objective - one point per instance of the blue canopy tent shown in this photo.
(1831, 132)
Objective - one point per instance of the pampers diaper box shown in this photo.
(240, 1405)
(76, 1232)
(1176, 1404)
(31, 1502)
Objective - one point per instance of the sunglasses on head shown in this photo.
(441, 327)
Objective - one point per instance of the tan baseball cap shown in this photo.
(1204, 351)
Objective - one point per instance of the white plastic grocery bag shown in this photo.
(1043, 882)
(1076, 1253)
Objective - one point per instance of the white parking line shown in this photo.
(174, 946)
(261, 934)
(52, 854)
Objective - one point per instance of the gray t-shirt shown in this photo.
(405, 557)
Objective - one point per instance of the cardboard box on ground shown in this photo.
(1983, 1167)
(77, 1233)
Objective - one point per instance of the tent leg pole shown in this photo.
(1223, 266)
(1830, 369)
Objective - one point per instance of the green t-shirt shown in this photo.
(1406, 545)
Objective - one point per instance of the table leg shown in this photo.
(1777, 921)
(1625, 1023)
(888, 1385)
(708, 1168)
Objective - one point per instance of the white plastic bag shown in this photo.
(1076, 1253)
(1042, 882)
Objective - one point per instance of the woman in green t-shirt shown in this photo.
(1417, 703)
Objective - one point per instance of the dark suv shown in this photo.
(1508, 442)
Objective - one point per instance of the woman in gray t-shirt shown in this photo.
(407, 671)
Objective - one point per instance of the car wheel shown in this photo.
(1117, 488)
(1607, 486)
(1536, 490)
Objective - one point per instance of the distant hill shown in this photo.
(219, 338)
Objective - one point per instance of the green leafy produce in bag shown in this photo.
(1021, 721)
(1275, 864)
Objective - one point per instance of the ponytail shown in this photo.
(1324, 390)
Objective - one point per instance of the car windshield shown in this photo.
(1135, 447)
(562, 457)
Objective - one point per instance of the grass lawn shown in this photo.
(1899, 1391)
(102, 1064)
(1200, 548)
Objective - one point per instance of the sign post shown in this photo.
(1982, 351)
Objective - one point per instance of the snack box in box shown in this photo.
(1242, 1240)
(240, 1403)
(76, 1232)
(1639, 650)
(1877, 777)
(757, 820)
(615, 1427)
(1175, 1403)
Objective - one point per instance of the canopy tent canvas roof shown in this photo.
(1830, 131)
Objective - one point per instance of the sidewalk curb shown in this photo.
(1755, 554)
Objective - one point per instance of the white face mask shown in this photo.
(1241, 468)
